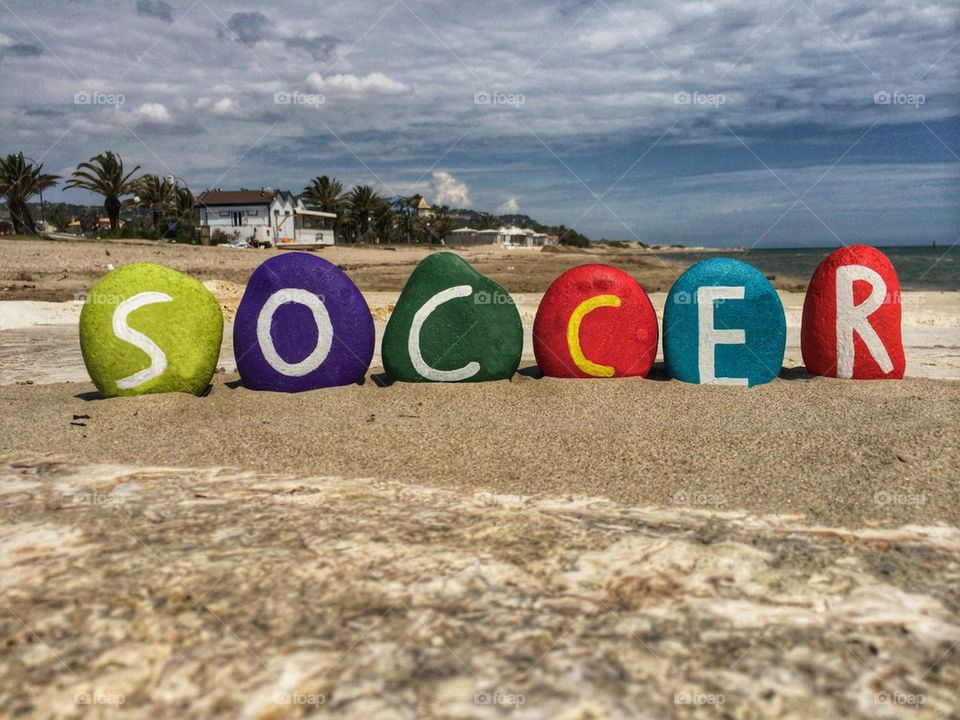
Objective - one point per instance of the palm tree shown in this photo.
(363, 201)
(104, 175)
(20, 181)
(326, 194)
(184, 202)
(384, 220)
(156, 194)
(440, 225)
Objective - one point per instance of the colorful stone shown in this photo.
(851, 324)
(595, 321)
(723, 324)
(301, 325)
(452, 324)
(145, 328)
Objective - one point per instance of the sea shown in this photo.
(918, 268)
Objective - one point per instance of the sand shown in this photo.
(842, 452)
(534, 548)
(144, 592)
(59, 270)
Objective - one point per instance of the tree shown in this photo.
(363, 201)
(20, 181)
(157, 195)
(384, 220)
(184, 202)
(104, 175)
(326, 194)
(440, 225)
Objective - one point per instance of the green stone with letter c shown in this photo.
(452, 324)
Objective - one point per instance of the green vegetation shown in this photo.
(19, 181)
(103, 175)
(154, 207)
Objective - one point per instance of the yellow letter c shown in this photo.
(573, 334)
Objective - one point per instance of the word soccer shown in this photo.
(302, 324)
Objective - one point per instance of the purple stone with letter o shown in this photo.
(302, 324)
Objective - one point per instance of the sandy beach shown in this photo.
(398, 550)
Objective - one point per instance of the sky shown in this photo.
(712, 122)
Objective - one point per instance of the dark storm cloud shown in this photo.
(155, 9)
(21, 49)
(248, 27)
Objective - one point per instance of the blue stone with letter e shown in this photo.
(723, 324)
(302, 324)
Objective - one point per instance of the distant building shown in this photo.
(423, 209)
(101, 223)
(507, 236)
(264, 216)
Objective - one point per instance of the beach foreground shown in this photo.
(835, 451)
(532, 548)
(213, 593)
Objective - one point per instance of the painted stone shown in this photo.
(301, 325)
(452, 324)
(595, 321)
(851, 324)
(145, 328)
(723, 324)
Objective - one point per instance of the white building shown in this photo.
(264, 216)
(510, 236)
(507, 236)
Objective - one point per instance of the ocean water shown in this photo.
(919, 268)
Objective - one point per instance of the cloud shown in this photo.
(320, 48)
(15, 48)
(447, 190)
(644, 91)
(153, 114)
(155, 9)
(356, 85)
(509, 207)
(249, 27)
(224, 107)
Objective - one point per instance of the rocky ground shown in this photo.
(160, 592)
